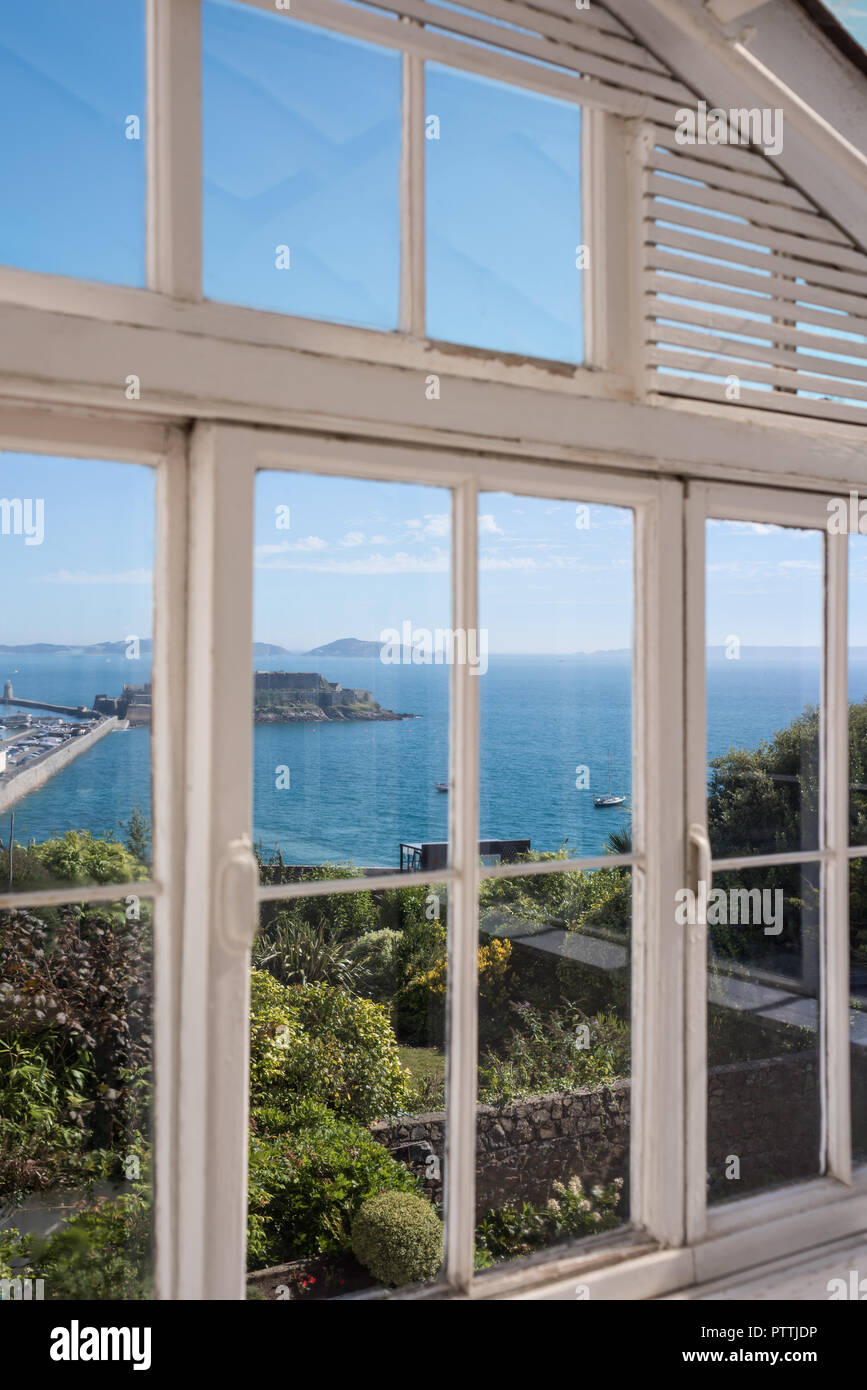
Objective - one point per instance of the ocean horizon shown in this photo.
(356, 790)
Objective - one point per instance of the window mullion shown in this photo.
(658, 1009)
(612, 160)
(412, 214)
(695, 701)
(835, 952)
(168, 840)
(220, 887)
(459, 1184)
(174, 148)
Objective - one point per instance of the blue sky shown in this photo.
(360, 556)
(852, 14)
(302, 149)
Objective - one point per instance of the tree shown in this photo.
(138, 835)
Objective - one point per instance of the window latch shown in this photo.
(237, 877)
(700, 846)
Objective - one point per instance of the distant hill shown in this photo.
(146, 648)
(348, 646)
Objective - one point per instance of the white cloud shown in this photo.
(488, 526)
(308, 543)
(353, 538)
(83, 577)
(399, 563)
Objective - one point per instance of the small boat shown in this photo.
(441, 786)
(608, 798)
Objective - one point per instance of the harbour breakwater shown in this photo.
(18, 783)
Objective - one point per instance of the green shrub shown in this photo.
(308, 1182)
(519, 1228)
(399, 1238)
(321, 1044)
(79, 857)
(376, 961)
(345, 915)
(541, 1054)
(102, 1253)
(75, 1042)
(297, 952)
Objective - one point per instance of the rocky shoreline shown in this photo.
(314, 715)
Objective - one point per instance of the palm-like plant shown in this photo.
(296, 952)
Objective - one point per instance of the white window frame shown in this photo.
(225, 464)
(204, 881)
(162, 447)
(277, 391)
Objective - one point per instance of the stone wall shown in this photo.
(765, 1112)
(524, 1147)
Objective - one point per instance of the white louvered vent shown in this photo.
(591, 50)
(751, 294)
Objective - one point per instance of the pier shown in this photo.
(71, 711)
(18, 781)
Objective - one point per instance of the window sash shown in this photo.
(808, 511)
(225, 462)
(162, 447)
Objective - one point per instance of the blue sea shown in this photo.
(357, 790)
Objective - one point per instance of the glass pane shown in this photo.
(351, 685)
(858, 1004)
(552, 1157)
(858, 690)
(764, 635)
(556, 616)
(76, 557)
(302, 131)
(348, 1084)
(503, 217)
(75, 1101)
(764, 961)
(72, 152)
(858, 836)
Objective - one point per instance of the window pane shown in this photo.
(352, 656)
(764, 635)
(347, 1121)
(552, 1158)
(503, 217)
(858, 690)
(76, 556)
(858, 836)
(556, 619)
(858, 1004)
(72, 158)
(301, 168)
(75, 1100)
(764, 954)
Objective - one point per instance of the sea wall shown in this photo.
(765, 1113)
(36, 776)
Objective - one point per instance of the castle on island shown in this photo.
(310, 688)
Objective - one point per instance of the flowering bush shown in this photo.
(519, 1228)
(321, 1044)
(421, 1005)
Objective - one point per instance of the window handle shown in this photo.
(237, 877)
(700, 845)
